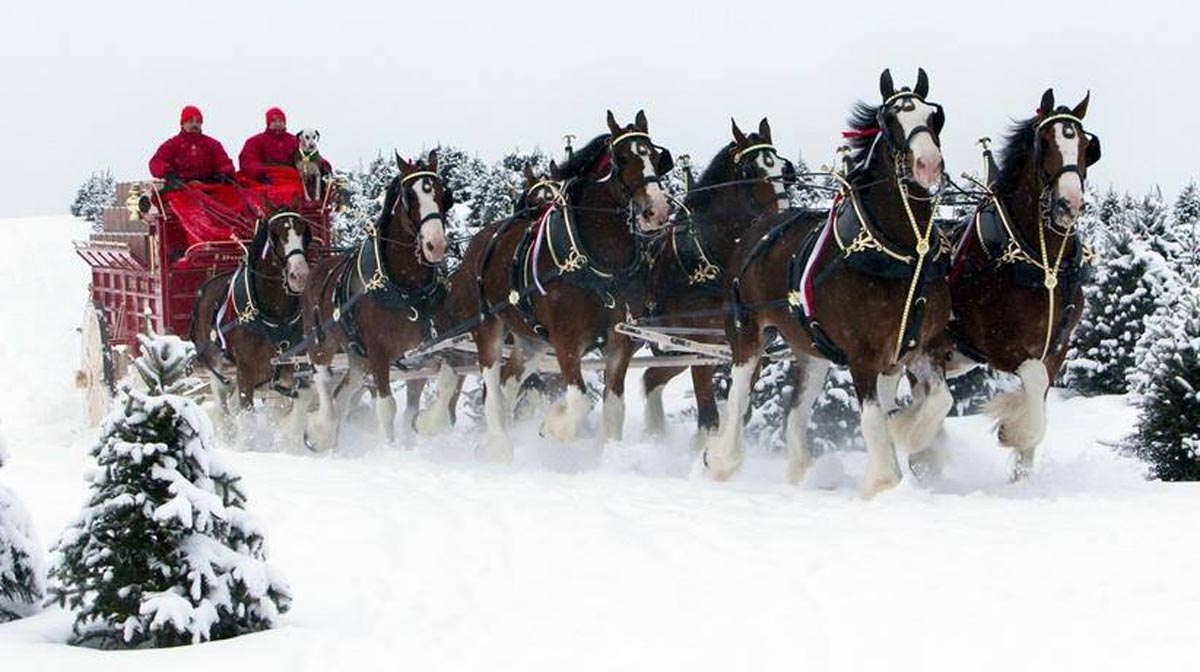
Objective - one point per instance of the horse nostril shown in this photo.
(648, 213)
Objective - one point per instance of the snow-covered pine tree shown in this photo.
(22, 565)
(164, 552)
(363, 199)
(1167, 434)
(1129, 283)
(97, 192)
(1185, 216)
(835, 422)
(1150, 221)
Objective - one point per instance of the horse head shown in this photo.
(1063, 150)
(637, 166)
(539, 189)
(755, 161)
(286, 240)
(422, 204)
(912, 128)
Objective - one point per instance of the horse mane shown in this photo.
(863, 118)
(389, 203)
(714, 173)
(255, 250)
(1018, 146)
(584, 158)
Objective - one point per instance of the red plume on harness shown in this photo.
(864, 133)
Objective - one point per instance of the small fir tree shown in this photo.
(1168, 432)
(164, 552)
(22, 565)
(97, 192)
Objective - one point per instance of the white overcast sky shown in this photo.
(89, 85)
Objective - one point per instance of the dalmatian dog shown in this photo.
(309, 163)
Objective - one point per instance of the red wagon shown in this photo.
(137, 287)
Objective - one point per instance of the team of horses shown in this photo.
(871, 283)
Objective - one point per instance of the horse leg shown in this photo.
(245, 416)
(412, 405)
(385, 403)
(438, 417)
(811, 373)
(298, 417)
(653, 382)
(489, 341)
(562, 423)
(877, 397)
(1021, 415)
(619, 352)
(223, 390)
(914, 428)
(323, 430)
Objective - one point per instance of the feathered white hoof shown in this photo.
(496, 448)
(798, 466)
(721, 460)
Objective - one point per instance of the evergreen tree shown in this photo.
(362, 199)
(1129, 282)
(22, 566)
(1186, 218)
(97, 192)
(163, 553)
(836, 418)
(1168, 434)
(1151, 223)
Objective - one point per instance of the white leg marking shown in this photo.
(655, 417)
(323, 428)
(436, 418)
(723, 452)
(385, 413)
(562, 424)
(1021, 414)
(496, 444)
(882, 470)
(614, 416)
(810, 385)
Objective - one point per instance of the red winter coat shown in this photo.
(191, 156)
(268, 148)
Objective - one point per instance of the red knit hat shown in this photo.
(275, 113)
(189, 112)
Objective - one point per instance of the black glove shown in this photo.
(225, 179)
(173, 182)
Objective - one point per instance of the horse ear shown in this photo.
(527, 170)
(613, 126)
(1080, 110)
(1047, 104)
(433, 160)
(738, 136)
(553, 168)
(922, 88)
(639, 122)
(404, 166)
(764, 130)
(886, 87)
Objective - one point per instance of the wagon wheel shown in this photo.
(96, 375)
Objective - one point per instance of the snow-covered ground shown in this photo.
(571, 560)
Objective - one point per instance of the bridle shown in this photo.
(1047, 181)
(410, 227)
(742, 171)
(898, 149)
(666, 163)
(282, 256)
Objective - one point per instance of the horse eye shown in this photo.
(769, 161)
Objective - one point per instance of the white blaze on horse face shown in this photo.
(652, 208)
(926, 155)
(774, 172)
(1069, 189)
(433, 233)
(297, 265)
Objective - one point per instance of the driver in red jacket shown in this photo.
(269, 159)
(191, 155)
(190, 162)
